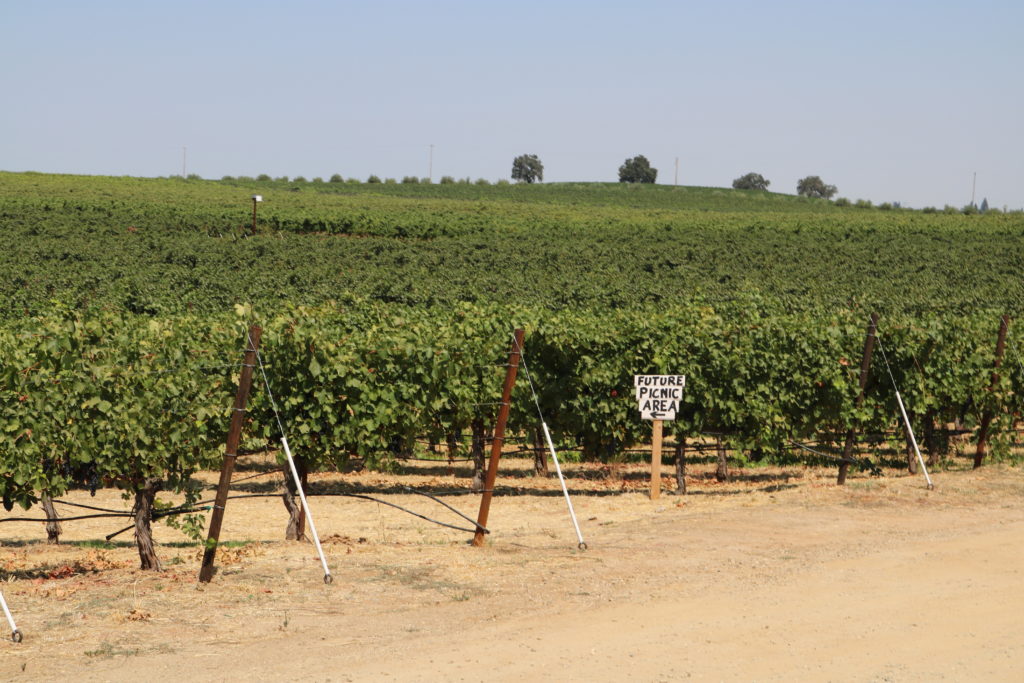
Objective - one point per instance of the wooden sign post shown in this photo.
(658, 398)
(656, 460)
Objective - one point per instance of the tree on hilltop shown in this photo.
(637, 170)
(751, 181)
(813, 186)
(527, 168)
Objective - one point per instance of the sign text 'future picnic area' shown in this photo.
(658, 396)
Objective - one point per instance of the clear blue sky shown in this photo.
(890, 101)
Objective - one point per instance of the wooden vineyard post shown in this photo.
(656, 460)
(499, 437)
(986, 417)
(865, 366)
(230, 453)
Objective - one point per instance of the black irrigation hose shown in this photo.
(863, 463)
(87, 507)
(438, 500)
(166, 513)
(66, 519)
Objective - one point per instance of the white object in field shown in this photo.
(558, 469)
(658, 396)
(305, 506)
(917, 451)
(257, 198)
(15, 633)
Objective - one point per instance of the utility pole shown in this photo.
(677, 172)
(974, 186)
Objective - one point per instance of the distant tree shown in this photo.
(282, 179)
(813, 186)
(373, 179)
(984, 205)
(483, 181)
(527, 168)
(299, 179)
(447, 180)
(751, 181)
(842, 201)
(226, 178)
(263, 177)
(318, 180)
(637, 170)
(336, 178)
(411, 180)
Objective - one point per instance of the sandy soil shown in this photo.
(777, 575)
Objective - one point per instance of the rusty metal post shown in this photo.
(986, 417)
(230, 453)
(865, 366)
(499, 437)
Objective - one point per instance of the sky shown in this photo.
(897, 101)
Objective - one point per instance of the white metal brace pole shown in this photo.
(15, 633)
(305, 506)
(572, 513)
(910, 431)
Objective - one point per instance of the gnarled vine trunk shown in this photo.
(477, 453)
(53, 529)
(681, 465)
(540, 454)
(453, 452)
(296, 515)
(145, 497)
(722, 470)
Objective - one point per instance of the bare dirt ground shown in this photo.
(777, 575)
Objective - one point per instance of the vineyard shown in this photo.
(387, 311)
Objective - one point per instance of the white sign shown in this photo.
(658, 396)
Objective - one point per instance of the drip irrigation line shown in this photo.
(438, 500)
(67, 519)
(156, 516)
(87, 507)
(253, 476)
(378, 500)
(864, 463)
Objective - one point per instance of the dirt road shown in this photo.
(779, 576)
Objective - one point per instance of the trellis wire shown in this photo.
(582, 545)
(903, 412)
(291, 464)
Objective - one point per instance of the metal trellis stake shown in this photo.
(15, 633)
(230, 453)
(499, 437)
